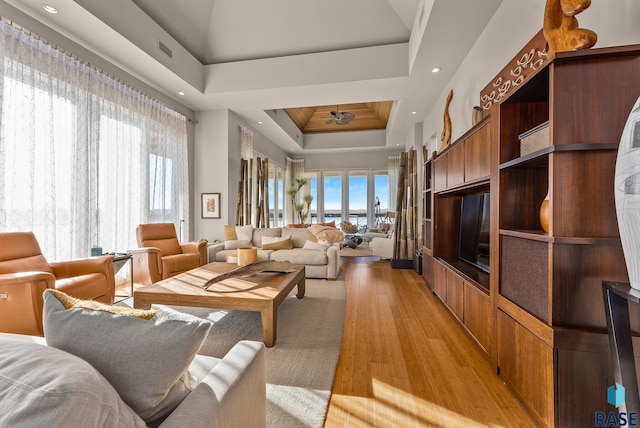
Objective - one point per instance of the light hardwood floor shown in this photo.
(405, 361)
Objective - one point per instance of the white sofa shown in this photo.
(318, 264)
(56, 390)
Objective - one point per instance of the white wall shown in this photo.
(211, 155)
(513, 25)
(217, 166)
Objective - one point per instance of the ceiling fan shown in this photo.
(341, 118)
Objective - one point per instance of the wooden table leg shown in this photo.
(140, 304)
(269, 315)
(301, 288)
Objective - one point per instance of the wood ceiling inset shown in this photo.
(373, 115)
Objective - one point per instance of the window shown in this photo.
(358, 199)
(381, 190)
(84, 159)
(333, 197)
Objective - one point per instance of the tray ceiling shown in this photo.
(373, 115)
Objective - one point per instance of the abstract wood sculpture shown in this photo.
(446, 132)
(262, 266)
(561, 29)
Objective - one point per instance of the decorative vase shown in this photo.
(627, 194)
(247, 255)
(544, 214)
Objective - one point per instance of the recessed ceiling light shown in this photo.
(49, 8)
(435, 70)
(397, 144)
(259, 122)
(180, 93)
(414, 112)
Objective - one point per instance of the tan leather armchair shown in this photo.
(161, 255)
(25, 274)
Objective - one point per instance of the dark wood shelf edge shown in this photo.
(539, 235)
(536, 326)
(538, 155)
(476, 277)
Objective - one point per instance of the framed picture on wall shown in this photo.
(210, 205)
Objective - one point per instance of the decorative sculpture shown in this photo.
(627, 194)
(446, 132)
(561, 29)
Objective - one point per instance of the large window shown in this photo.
(358, 199)
(333, 197)
(381, 186)
(84, 159)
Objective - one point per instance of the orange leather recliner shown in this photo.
(162, 256)
(25, 274)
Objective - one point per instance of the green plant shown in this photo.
(299, 207)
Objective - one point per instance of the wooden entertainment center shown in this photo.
(539, 314)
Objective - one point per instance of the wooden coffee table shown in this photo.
(262, 292)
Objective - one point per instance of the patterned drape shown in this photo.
(84, 158)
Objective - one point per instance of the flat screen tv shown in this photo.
(474, 231)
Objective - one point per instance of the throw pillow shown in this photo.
(277, 243)
(318, 246)
(326, 233)
(330, 224)
(42, 386)
(230, 233)
(244, 233)
(235, 244)
(145, 361)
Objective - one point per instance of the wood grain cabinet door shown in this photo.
(455, 165)
(477, 154)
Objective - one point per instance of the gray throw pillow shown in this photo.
(41, 386)
(145, 360)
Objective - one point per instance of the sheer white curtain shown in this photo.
(84, 158)
(294, 169)
(393, 164)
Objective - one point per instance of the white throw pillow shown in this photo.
(145, 360)
(318, 246)
(244, 233)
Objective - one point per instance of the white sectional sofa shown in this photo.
(44, 386)
(319, 263)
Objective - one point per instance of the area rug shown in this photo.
(302, 363)
(362, 250)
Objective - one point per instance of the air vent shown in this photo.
(164, 48)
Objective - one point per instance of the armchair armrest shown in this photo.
(77, 267)
(232, 394)
(147, 265)
(21, 301)
(213, 250)
(382, 247)
(199, 247)
(7, 279)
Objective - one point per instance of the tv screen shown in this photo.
(474, 230)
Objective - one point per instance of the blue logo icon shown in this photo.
(615, 395)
